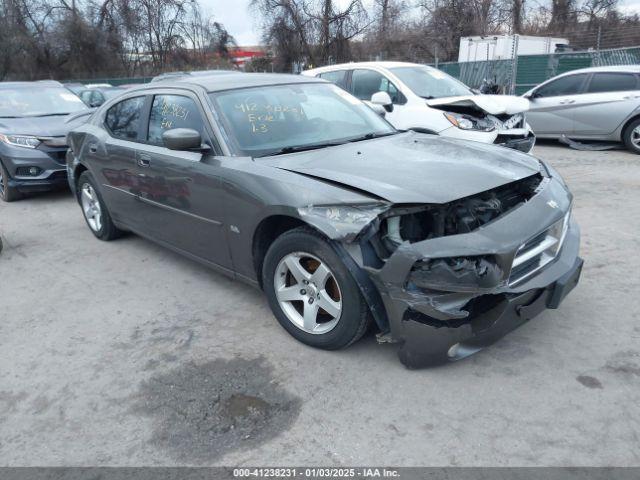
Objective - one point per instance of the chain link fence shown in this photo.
(527, 70)
(531, 70)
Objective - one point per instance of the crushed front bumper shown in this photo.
(426, 344)
(436, 324)
(50, 164)
(522, 144)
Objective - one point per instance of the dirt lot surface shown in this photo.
(124, 353)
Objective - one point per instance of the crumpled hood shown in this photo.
(492, 104)
(412, 167)
(51, 126)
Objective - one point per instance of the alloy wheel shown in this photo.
(308, 293)
(91, 207)
(635, 136)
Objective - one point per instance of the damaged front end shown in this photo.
(445, 280)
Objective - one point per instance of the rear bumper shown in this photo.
(427, 344)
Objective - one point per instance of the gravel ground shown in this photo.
(124, 353)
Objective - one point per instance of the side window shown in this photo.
(365, 83)
(569, 85)
(338, 77)
(173, 111)
(612, 82)
(123, 119)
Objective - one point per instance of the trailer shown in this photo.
(504, 47)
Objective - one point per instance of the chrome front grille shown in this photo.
(536, 253)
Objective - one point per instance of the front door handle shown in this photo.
(567, 102)
(144, 160)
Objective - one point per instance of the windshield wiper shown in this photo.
(428, 97)
(38, 115)
(370, 136)
(301, 148)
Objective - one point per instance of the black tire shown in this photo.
(7, 193)
(355, 317)
(628, 136)
(108, 231)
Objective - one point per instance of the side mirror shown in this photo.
(182, 139)
(383, 99)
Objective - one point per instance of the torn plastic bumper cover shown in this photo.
(449, 296)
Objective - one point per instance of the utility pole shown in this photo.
(514, 63)
(598, 45)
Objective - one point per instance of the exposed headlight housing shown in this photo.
(457, 273)
(467, 122)
(345, 221)
(25, 141)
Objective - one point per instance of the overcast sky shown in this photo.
(240, 22)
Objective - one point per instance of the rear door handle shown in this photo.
(144, 160)
(567, 102)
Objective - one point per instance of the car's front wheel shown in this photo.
(631, 136)
(94, 210)
(7, 192)
(312, 293)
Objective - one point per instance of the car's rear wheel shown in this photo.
(312, 293)
(631, 136)
(7, 193)
(94, 210)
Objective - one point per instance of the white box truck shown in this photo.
(501, 47)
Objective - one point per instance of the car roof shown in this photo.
(196, 73)
(384, 64)
(232, 81)
(612, 68)
(47, 83)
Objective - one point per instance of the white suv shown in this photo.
(421, 98)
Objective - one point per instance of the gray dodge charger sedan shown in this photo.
(291, 184)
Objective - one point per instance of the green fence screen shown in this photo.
(530, 70)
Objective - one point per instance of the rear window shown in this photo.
(124, 119)
(612, 82)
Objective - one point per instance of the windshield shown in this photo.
(273, 119)
(38, 101)
(430, 83)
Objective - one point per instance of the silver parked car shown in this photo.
(600, 103)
